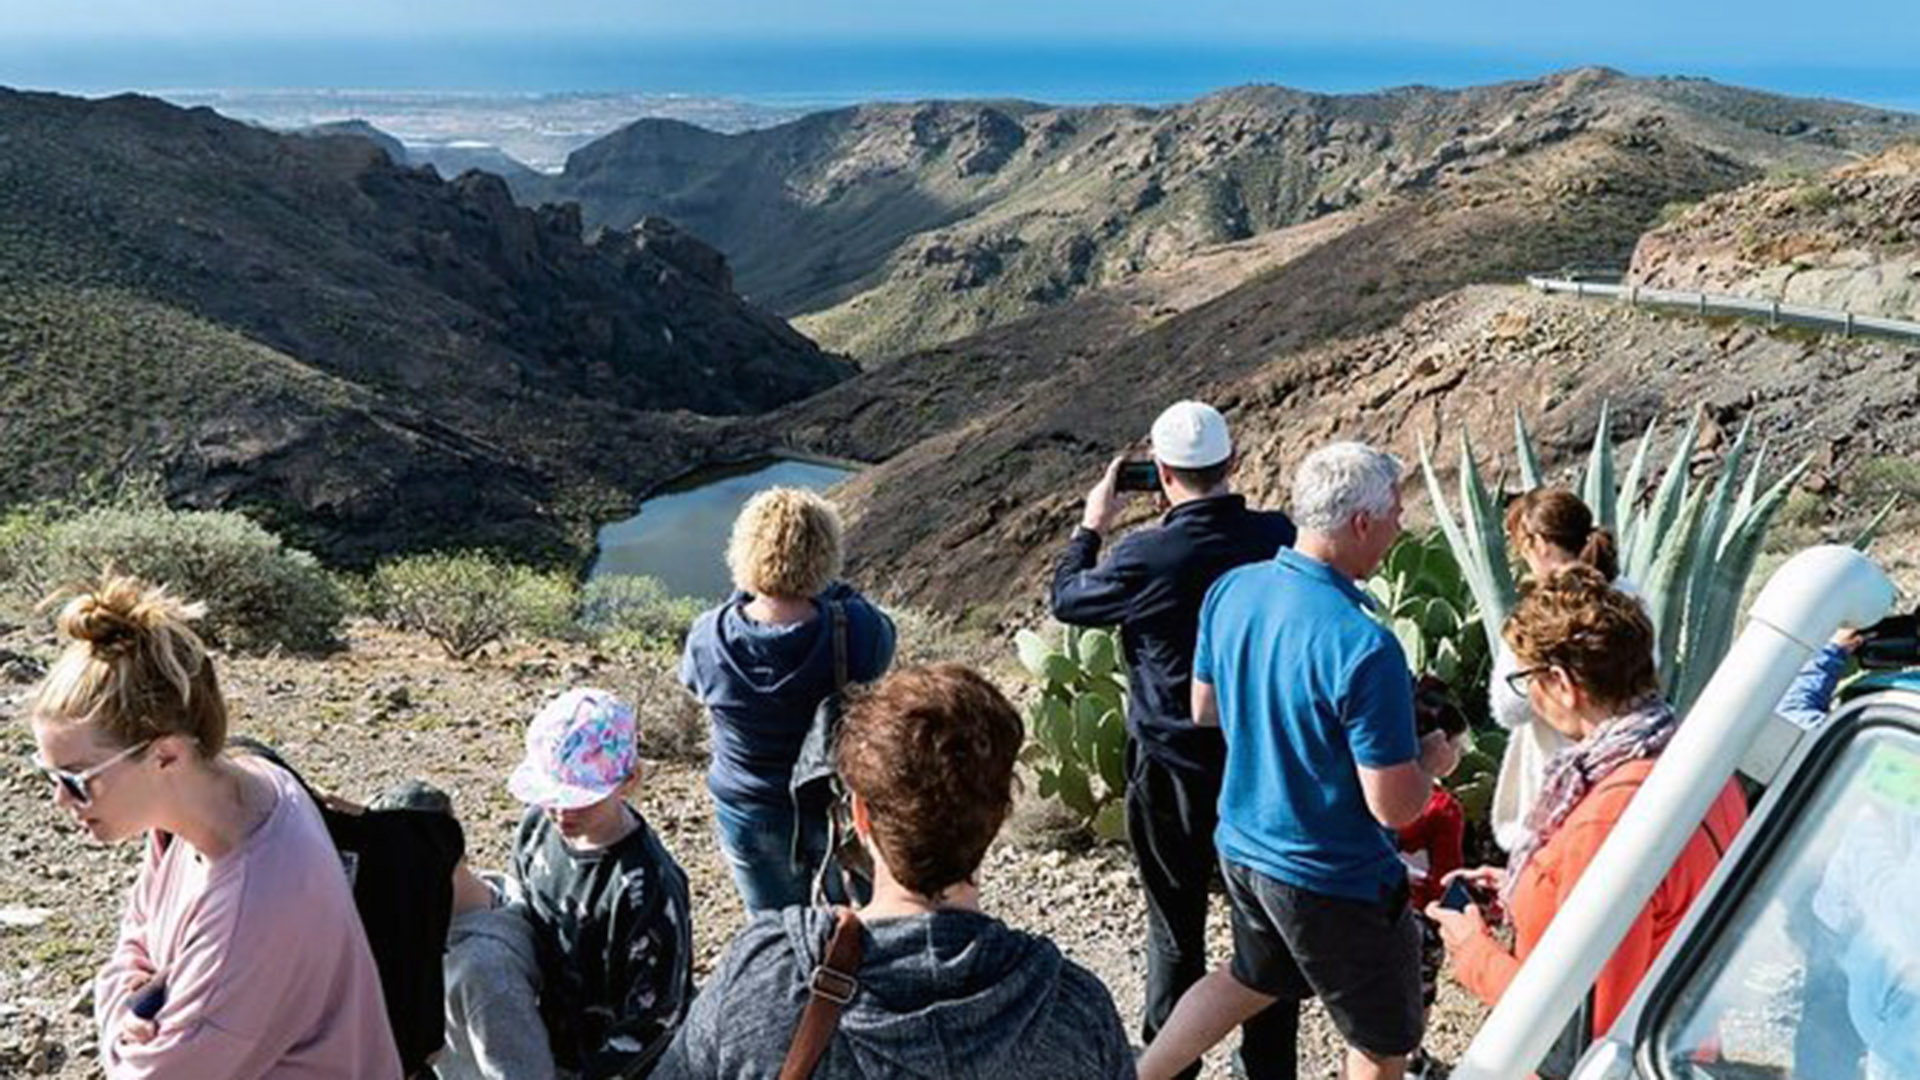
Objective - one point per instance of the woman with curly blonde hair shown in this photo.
(761, 663)
(240, 952)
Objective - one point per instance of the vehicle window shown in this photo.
(1817, 974)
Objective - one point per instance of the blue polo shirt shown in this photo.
(1310, 686)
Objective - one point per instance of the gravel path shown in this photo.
(389, 707)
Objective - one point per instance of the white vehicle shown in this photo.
(1802, 957)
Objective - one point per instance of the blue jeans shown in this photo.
(757, 839)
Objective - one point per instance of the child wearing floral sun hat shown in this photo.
(607, 900)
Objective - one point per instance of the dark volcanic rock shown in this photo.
(988, 143)
(664, 240)
(434, 362)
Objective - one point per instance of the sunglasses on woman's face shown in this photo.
(79, 785)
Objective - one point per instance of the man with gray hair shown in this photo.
(1316, 702)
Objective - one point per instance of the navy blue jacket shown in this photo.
(1151, 585)
(760, 685)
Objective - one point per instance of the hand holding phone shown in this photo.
(1458, 895)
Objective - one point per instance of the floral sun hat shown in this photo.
(580, 749)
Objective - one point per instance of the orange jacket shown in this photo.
(1485, 967)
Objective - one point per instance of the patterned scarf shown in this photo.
(1641, 732)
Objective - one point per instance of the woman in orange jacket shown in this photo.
(1585, 654)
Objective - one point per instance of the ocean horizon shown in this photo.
(827, 73)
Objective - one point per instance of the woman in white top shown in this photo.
(1550, 529)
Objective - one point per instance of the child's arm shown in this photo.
(1447, 839)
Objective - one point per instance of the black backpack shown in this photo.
(816, 784)
(399, 864)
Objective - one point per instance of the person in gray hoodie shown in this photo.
(944, 990)
(492, 971)
(494, 1031)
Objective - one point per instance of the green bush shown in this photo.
(673, 726)
(1815, 198)
(1880, 480)
(26, 555)
(633, 613)
(259, 593)
(468, 600)
(1674, 211)
(1076, 728)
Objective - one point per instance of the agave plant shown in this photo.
(1690, 548)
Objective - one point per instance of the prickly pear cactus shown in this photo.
(1076, 729)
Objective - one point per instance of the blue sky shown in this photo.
(1877, 31)
(1858, 48)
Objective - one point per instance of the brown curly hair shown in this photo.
(133, 666)
(931, 752)
(1574, 620)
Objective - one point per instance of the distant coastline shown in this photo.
(800, 75)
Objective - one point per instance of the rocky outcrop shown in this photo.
(1848, 240)
(663, 240)
(395, 150)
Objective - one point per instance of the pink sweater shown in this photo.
(266, 968)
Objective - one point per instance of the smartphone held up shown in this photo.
(1138, 475)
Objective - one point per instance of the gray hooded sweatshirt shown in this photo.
(494, 1030)
(953, 995)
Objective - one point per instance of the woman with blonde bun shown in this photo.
(239, 953)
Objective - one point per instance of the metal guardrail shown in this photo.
(1776, 313)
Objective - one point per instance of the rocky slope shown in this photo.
(1848, 239)
(989, 441)
(501, 340)
(1460, 364)
(897, 227)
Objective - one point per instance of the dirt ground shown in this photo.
(390, 707)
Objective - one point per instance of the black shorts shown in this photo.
(1362, 960)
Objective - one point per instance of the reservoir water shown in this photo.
(680, 534)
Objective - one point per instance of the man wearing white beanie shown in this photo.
(1150, 585)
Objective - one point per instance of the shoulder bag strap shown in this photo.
(838, 612)
(833, 984)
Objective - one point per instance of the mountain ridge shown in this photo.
(888, 228)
